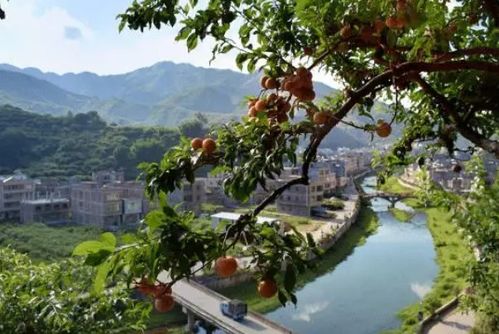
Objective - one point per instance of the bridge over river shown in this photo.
(390, 197)
(199, 302)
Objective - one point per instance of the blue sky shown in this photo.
(82, 35)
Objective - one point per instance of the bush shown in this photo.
(56, 298)
(333, 204)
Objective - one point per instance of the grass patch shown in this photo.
(295, 221)
(366, 225)
(392, 185)
(453, 254)
(44, 243)
(401, 215)
(210, 208)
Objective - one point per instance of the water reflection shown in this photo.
(394, 268)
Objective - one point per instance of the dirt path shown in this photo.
(455, 322)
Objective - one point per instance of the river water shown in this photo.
(362, 295)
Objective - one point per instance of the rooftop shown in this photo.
(235, 216)
(46, 201)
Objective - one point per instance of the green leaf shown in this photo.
(89, 247)
(282, 297)
(97, 258)
(155, 219)
(100, 276)
(290, 277)
(109, 239)
(192, 41)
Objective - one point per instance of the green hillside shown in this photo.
(73, 145)
(162, 94)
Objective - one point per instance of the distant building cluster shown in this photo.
(449, 173)
(111, 202)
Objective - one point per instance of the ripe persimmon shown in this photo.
(260, 105)
(282, 117)
(225, 266)
(164, 303)
(263, 80)
(401, 6)
(197, 143)
(301, 72)
(271, 83)
(283, 106)
(379, 25)
(267, 288)
(308, 51)
(308, 95)
(394, 23)
(346, 31)
(162, 289)
(272, 98)
(252, 112)
(383, 129)
(321, 117)
(209, 146)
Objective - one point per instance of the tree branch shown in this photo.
(447, 66)
(492, 6)
(489, 145)
(468, 52)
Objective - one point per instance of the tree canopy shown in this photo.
(435, 62)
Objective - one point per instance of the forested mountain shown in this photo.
(165, 94)
(75, 145)
(162, 94)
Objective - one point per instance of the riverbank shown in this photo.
(453, 254)
(366, 225)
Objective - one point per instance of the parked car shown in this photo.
(234, 309)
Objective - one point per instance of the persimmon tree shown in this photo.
(435, 62)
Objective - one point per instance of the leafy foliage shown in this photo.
(75, 145)
(54, 298)
(443, 59)
(43, 243)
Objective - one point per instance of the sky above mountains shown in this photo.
(75, 36)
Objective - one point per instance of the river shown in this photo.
(362, 295)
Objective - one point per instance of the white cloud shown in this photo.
(309, 310)
(420, 289)
(37, 36)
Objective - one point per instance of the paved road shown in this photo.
(453, 323)
(205, 303)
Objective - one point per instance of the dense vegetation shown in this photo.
(76, 145)
(57, 298)
(441, 60)
(43, 243)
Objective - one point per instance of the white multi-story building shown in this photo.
(14, 189)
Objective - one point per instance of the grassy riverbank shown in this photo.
(366, 225)
(401, 215)
(453, 254)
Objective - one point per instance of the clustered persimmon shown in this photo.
(208, 145)
(370, 33)
(276, 105)
(160, 292)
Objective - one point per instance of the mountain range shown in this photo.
(163, 94)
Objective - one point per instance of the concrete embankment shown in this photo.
(325, 236)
